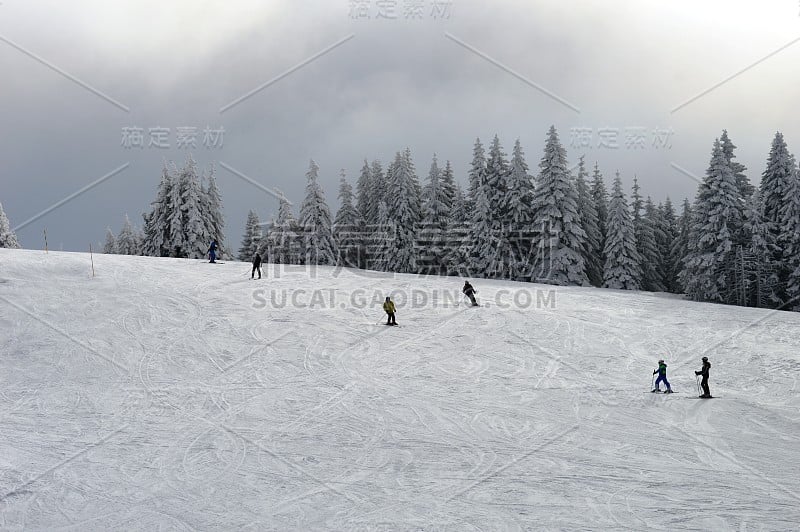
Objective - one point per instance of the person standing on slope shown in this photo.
(388, 307)
(704, 383)
(256, 266)
(470, 293)
(662, 377)
(212, 251)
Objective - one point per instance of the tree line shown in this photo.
(735, 243)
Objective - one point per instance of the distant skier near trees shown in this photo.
(389, 308)
(256, 266)
(704, 383)
(470, 292)
(212, 251)
(662, 377)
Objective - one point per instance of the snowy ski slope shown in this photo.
(169, 394)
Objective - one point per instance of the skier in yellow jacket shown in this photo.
(388, 306)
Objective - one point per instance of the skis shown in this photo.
(664, 393)
(701, 397)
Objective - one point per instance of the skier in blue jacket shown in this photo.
(662, 377)
(212, 251)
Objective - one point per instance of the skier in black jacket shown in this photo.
(704, 383)
(256, 266)
(470, 293)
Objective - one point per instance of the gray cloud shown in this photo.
(397, 83)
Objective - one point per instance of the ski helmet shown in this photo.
(661, 361)
(705, 359)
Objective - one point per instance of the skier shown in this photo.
(256, 266)
(388, 306)
(704, 383)
(662, 377)
(470, 293)
(212, 251)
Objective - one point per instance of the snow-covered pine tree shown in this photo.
(476, 173)
(652, 250)
(776, 190)
(760, 275)
(126, 243)
(437, 206)
(365, 194)
(405, 211)
(556, 220)
(459, 214)
(504, 263)
(776, 181)
(194, 221)
(175, 240)
(790, 241)
(709, 272)
(483, 240)
(110, 245)
(374, 196)
(498, 173)
(621, 269)
(592, 253)
(281, 244)
(743, 184)
(315, 222)
(668, 227)
(458, 258)
(215, 223)
(448, 186)
(381, 257)
(138, 235)
(680, 246)
(637, 206)
(519, 215)
(157, 240)
(251, 238)
(378, 180)
(7, 237)
(637, 203)
(600, 197)
(348, 227)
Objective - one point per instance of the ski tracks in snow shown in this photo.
(233, 416)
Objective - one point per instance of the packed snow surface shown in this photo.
(177, 394)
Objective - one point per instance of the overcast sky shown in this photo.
(338, 85)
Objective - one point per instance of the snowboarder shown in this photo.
(256, 266)
(212, 251)
(388, 306)
(662, 377)
(470, 293)
(704, 383)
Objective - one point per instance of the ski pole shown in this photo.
(697, 379)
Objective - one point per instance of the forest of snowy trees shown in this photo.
(736, 243)
(185, 217)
